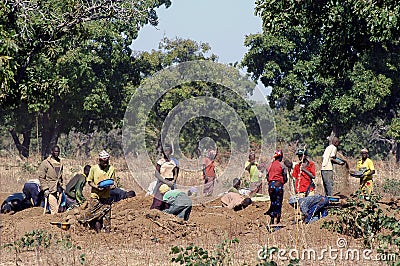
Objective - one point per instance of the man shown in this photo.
(312, 207)
(209, 173)
(51, 180)
(328, 159)
(32, 192)
(276, 179)
(177, 202)
(74, 188)
(166, 172)
(15, 202)
(235, 201)
(304, 173)
(98, 214)
(117, 194)
(251, 166)
(366, 165)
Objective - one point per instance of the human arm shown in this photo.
(78, 192)
(160, 178)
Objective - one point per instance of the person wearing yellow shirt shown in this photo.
(98, 214)
(251, 166)
(366, 165)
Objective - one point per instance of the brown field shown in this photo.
(145, 237)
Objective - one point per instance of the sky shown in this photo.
(223, 24)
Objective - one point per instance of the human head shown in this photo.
(167, 150)
(335, 141)
(164, 188)
(211, 154)
(236, 183)
(104, 158)
(130, 194)
(302, 153)
(6, 208)
(252, 156)
(55, 151)
(246, 202)
(192, 191)
(86, 169)
(278, 155)
(364, 153)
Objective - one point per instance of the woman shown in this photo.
(167, 171)
(209, 173)
(276, 179)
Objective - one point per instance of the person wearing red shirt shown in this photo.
(304, 173)
(209, 172)
(276, 177)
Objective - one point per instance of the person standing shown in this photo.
(366, 165)
(328, 159)
(251, 166)
(166, 172)
(99, 212)
(74, 188)
(304, 173)
(276, 177)
(51, 180)
(209, 173)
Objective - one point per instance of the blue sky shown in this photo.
(221, 23)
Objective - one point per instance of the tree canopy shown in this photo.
(338, 61)
(67, 63)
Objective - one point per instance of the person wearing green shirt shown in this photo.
(177, 202)
(75, 186)
(251, 166)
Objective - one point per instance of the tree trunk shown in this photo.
(23, 148)
(50, 133)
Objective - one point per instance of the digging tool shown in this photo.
(45, 205)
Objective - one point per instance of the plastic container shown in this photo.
(106, 183)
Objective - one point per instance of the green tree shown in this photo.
(337, 60)
(67, 63)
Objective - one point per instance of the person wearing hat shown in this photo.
(304, 173)
(251, 166)
(366, 165)
(276, 177)
(328, 160)
(177, 202)
(235, 185)
(50, 174)
(99, 212)
(166, 172)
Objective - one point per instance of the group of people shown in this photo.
(303, 174)
(49, 192)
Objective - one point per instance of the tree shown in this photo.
(337, 60)
(67, 63)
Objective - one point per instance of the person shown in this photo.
(51, 180)
(209, 173)
(235, 201)
(118, 194)
(166, 172)
(235, 185)
(33, 193)
(177, 202)
(98, 214)
(366, 165)
(276, 179)
(262, 172)
(312, 207)
(15, 202)
(251, 167)
(328, 159)
(304, 173)
(74, 188)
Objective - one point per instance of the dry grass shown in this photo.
(131, 244)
